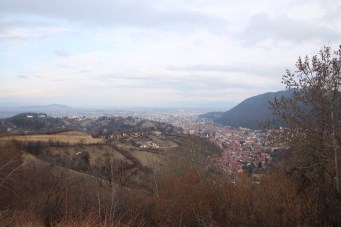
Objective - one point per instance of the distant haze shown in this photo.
(156, 53)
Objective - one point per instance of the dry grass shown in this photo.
(49, 194)
(163, 143)
(65, 137)
(147, 158)
(98, 153)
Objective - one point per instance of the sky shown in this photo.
(156, 53)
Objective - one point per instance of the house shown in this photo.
(157, 133)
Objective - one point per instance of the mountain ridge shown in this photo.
(249, 113)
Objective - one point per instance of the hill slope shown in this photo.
(250, 112)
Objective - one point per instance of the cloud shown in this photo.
(25, 33)
(157, 51)
(61, 53)
(110, 13)
(264, 70)
(282, 28)
(23, 77)
(29, 27)
(189, 84)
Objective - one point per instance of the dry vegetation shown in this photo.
(71, 137)
(183, 191)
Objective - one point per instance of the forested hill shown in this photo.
(29, 122)
(249, 113)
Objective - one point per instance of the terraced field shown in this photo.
(71, 138)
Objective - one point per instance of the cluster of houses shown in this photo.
(137, 139)
(243, 149)
(238, 157)
(40, 115)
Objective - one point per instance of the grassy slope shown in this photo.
(71, 137)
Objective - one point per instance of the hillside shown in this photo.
(69, 137)
(47, 178)
(30, 122)
(108, 185)
(249, 113)
(41, 123)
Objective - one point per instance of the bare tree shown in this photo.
(312, 118)
(192, 155)
(11, 165)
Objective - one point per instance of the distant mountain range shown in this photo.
(8, 110)
(50, 106)
(249, 113)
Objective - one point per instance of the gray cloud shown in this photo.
(23, 77)
(28, 77)
(9, 22)
(21, 28)
(262, 70)
(107, 12)
(191, 84)
(185, 84)
(27, 31)
(61, 53)
(263, 27)
(123, 46)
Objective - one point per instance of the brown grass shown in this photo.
(147, 158)
(71, 138)
(48, 195)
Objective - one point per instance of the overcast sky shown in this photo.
(157, 52)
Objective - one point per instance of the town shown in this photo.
(243, 149)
